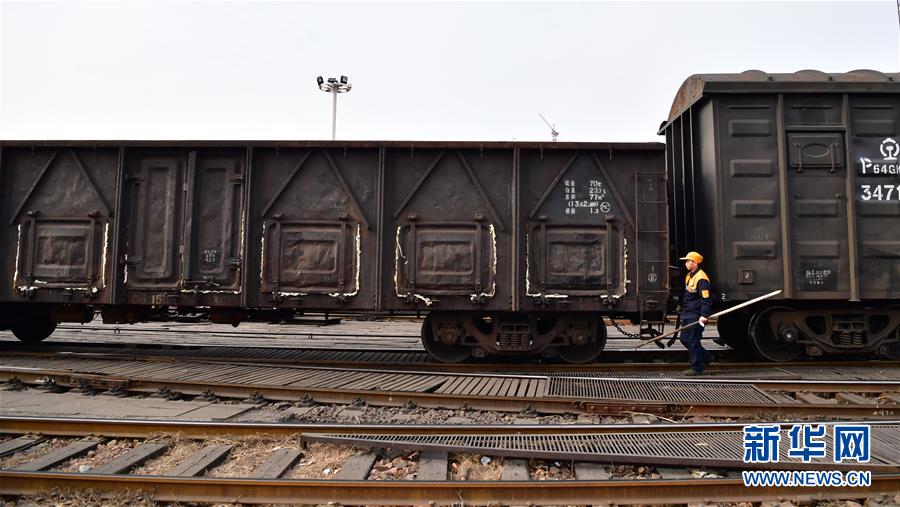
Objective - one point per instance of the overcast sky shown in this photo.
(442, 71)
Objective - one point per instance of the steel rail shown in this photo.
(469, 367)
(138, 428)
(548, 405)
(227, 490)
(623, 361)
(615, 359)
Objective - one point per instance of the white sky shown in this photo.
(439, 71)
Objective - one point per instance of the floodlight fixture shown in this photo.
(334, 87)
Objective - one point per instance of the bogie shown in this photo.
(456, 336)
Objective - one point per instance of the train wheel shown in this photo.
(733, 331)
(769, 340)
(443, 338)
(33, 330)
(586, 342)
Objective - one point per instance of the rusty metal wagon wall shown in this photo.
(233, 228)
(790, 181)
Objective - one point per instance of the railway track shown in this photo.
(272, 479)
(877, 396)
(344, 355)
(648, 361)
(145, 428)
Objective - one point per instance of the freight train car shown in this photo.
(791, 182)
(784, 181)
(510, 248)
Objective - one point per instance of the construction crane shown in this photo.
(553, 131)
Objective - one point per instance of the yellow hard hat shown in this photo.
(692, 256)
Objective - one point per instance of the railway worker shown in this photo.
(695, 306)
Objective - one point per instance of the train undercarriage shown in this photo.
(457, 336)
(784, 332)
(779, 332)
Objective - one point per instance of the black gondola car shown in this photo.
(510, 248)
(790, 181)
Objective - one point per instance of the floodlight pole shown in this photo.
(334, 86)
(334, 113)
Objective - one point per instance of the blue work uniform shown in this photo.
(696, 303)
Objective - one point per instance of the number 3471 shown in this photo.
(879, 192)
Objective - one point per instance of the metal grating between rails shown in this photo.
(230, 373)
(750, 373)
(697, 448)
(883, 372)
(443, 384)
(648, 390)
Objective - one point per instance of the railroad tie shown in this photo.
(782, 399)
(515, 470)
(813, 399)
(854, 399)
(201, 461)
(585, 471)
(432, 465)
(132, 458)
(56, 457)
(673, 473)
(277, 464)
(356, 468)
(17, 444)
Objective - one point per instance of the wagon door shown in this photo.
(214, 226)
(818, 206)
(184, 234)
(817, 197)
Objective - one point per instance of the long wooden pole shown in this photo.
(723, 312)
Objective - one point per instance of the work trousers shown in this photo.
(690, 338)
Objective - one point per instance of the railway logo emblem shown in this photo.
(887, 166)
(889, 149)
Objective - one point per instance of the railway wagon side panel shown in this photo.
(58, 216)
(595, 230)
(874, 133)
(744, 196)
(801, 207)
(819, 210)
(313, 230)
(448, 227)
